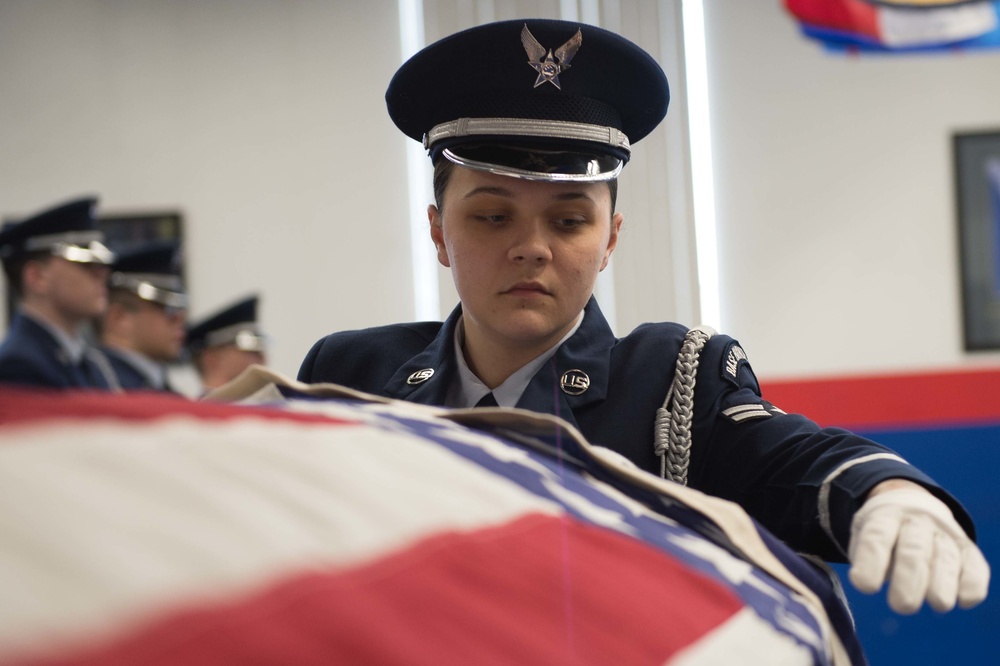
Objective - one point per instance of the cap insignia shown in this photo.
(541, 59)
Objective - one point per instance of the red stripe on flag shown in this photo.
(893, 401)
(21, 406)
(540, 590)
(854, 16)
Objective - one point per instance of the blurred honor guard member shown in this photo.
(528, 124)
(57, 266)
(226, 343)
(144, 327)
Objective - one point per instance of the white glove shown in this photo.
(912, 537)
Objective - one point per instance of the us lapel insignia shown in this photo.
(420, 376)
(574, 382)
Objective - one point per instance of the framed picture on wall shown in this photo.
(126, 231)
(977, 170)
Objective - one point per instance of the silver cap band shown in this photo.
(245, 336)
(82, 247)
(94, 253)
(519, 127)
(81, 238)
(165, 290)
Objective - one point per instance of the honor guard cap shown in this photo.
(68, 230)
(537, 99)
(235, 325)
(152, 272)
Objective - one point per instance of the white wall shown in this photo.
(835, 195)
(262, 121)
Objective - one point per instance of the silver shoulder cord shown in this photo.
(672, 428)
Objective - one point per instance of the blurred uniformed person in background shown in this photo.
(143, 329)
(57, 266)
(528, 124)
(226, 343)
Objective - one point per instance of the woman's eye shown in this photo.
(492, 219)
(570, 223)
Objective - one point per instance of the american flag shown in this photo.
(147, 529)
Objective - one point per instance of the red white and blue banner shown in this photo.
(860, 26)
(148, 529)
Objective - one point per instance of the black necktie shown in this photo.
(487, 401)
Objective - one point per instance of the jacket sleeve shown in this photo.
(802, 482)
(307, 369)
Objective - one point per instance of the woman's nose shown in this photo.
(531, 244)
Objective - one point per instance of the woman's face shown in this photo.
(524, 254)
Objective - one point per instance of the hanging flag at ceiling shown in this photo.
(899, 26)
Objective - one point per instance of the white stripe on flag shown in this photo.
(743, 639)
(902, 26)
(97, 515)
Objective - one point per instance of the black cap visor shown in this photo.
(553, 164)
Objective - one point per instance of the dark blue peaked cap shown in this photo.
(235, 324)
(69, 230)
(536, 85)
(152, 271)
(155, 257)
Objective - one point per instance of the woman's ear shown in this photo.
(437, 235)
(616, 224)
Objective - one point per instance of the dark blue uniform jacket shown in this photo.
(773, 464)
(129, 376)
(31, 356)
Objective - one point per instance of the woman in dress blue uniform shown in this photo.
(528, 124)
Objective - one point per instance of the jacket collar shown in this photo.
(579, 372)
(70, 349)
(583, 360)
(411, 381)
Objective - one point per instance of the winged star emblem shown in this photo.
(541, 59)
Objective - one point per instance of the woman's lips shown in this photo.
(527, 289)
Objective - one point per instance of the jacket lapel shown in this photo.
(425, 378)
(587, 354)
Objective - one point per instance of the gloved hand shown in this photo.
(911, 537)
